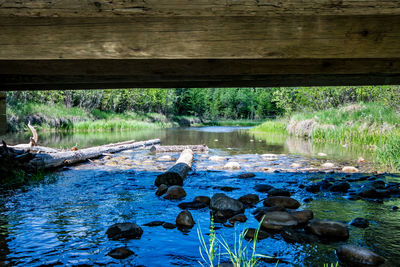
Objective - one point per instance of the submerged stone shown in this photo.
(246, 175)
(120, 253)
(251, 234)
(185, 219)
(276, 220)
(360, 223)
(263, 188)
(279, 192)
(124, 230)
(250, 199)
(282, 201)
(330, 230)
(175, 192)
(303, 216)
(358, 256)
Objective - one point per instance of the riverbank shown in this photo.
(373, 125)
(58, 117)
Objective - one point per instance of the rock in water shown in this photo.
(330, 230)
(285, 202)
(246, 175)
(175, 192)
(192, 205)
(303, 216)
(251, 232)
(349, 169)
(225, 207)
(358, 256)
(328, 165)
(278, 192)
(216, 158)
(162, 189)
(360, 222)
(340, 187)
(202, 199)
(249, 200)
(276, 220)
(120, 253)
(232, 165)
(185, 220)
(238, 218)
(124, 230)
(263, 188)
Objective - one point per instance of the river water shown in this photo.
(63, 220)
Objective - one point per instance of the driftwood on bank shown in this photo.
(163, 149)
(27, 159)
(177, 173)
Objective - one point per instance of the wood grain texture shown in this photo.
(201, 37)
(167, 8)
(3, 117)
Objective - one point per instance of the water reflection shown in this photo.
(64, 222)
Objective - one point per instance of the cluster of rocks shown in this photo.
(372, 188)
(279, 215)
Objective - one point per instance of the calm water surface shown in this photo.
(63, 221)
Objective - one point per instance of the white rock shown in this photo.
(269, 156)
(296, 165)
(328, 165)
(166, 158)
(349, 169)
(322, 154)
(251, 140)
(215, 140)
(361, 160)
(216, 158)
(232, 165)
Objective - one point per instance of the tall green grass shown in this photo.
(373, 125)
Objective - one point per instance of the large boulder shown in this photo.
(358, 256)
(225, 207)
(175, 192)
(282, 201)
(185, 220)
(124, 230)
(277, 220)
(329, 230)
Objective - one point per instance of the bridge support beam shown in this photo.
(3, 117)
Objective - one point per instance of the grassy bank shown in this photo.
(61, 118)
(373, 125)
(58, 117)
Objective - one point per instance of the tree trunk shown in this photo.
(25, 159)
(194, 148)
(177, 173)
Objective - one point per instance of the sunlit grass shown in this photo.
(271, 127)
(241, 253)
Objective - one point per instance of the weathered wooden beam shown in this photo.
(3, 117)
(158, 8)
(170, 73)
(284, 37)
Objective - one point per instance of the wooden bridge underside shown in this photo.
(53, 44)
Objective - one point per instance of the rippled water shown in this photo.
(63, 222)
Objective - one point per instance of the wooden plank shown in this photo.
(285, 37)
(3, 117)
(157, 8)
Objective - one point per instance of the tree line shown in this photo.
(212, 103)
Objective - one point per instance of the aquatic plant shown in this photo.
(239, 253)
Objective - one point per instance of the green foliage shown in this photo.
(239, 253)
(272, 127)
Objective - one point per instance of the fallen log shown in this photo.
(39, 161)
(163, 149)
(177, 173)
